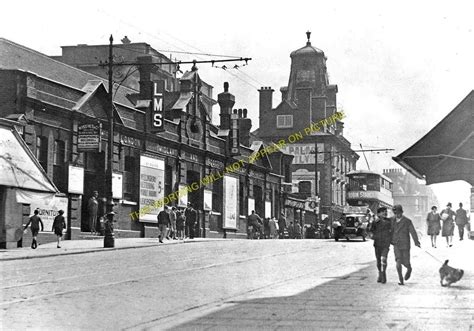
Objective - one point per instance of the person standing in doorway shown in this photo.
(163, 223)
(434, 225)
(447, 216)
(191, 217)
(282, 225)
(461, 220)
(92, 208)
(381, 229)
(173, 223)
(402, 228)
(58, 225)
(35, 221)
(180, 224)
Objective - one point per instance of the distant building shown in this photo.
(307, 99)
(416, 199)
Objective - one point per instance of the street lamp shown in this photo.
(109, 240)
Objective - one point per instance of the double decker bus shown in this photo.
(370, 189)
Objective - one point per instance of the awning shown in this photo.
(446, 153)
(295, 203)
(18, 167)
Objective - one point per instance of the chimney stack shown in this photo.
(245, 124)
(266, 98)
(226, 101)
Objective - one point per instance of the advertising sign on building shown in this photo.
(76, 180)
(234, 135)
(251, 205)
(156, 107)
(183, 198)
(207, 200)
(268, 209)
(152, 179)
(117, 188)
(89, 138)
(304, 153)
(231, 197)
(48, 207)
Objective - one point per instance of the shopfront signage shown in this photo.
(156, 107)
(89, 137)
(294, 203)
(130, 141)
(234, 135)
(304, 153)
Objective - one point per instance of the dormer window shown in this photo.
(284, 121)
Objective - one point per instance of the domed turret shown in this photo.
(308, 49)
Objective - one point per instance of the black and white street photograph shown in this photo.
(250, 165)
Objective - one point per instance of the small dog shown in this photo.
(449, 274)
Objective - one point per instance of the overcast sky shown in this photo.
(400, 67)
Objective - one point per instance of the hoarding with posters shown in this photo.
(152, 179)
(231, 198)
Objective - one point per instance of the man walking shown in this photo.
(381, 229)
(253, 221)
(163, 223)
(402, 228)
(172, 223)
(282, 225)
(461, 220)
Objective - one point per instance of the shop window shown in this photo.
(129, 182)
(42, 151)
(241, 198)
(59, 165)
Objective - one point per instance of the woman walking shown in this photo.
(447, 216)
(58, 225)
(434, 225)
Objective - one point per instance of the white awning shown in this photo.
(18, 167)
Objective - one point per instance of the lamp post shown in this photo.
(109, 240)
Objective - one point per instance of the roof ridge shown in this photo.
(56, 61)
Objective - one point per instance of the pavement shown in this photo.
(71, 247)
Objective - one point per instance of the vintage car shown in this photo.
(351, 226)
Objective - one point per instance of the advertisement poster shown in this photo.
(268, 209)
(231, 191)
(207, 200)
(251, 205)
(76, 180)
(183, 199)
(152, 180)
(117, 181)
(48, 210)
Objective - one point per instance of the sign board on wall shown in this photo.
(207, 200)
(76, 180)
(251, 205)
(183, 198)
(231, 198)
(88, 137)
(156, 107)
(268, 209)
(117, 188)
(152, 179)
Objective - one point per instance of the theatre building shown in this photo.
(64, 116)
(322, 157)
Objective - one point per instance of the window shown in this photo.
(59, 165)
(284, 121)
(241, 197)
(304, 187)
(129, 178)
(217, 195)
(42, 151)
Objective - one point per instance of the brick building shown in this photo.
(309, 98)
(56, 101)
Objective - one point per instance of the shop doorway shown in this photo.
(94, 180)
(258, 196)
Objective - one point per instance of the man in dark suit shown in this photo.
(381, 229)
(191, 218)
(402, 228)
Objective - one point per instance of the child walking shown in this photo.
(58, 225)
(35, 221)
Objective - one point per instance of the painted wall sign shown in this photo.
(304, 153)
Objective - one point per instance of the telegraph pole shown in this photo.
(109, 240)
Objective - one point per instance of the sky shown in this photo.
(400, 66)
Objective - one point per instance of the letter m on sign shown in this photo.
(157, 112)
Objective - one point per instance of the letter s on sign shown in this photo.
(157, 120)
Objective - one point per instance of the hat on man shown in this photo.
(398, 208)
(61, 212)
(449, 204)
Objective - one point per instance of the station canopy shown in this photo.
(446, 153)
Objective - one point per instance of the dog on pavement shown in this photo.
(449, 274)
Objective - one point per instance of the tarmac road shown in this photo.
(235, 284)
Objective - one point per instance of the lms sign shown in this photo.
(156, 107)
